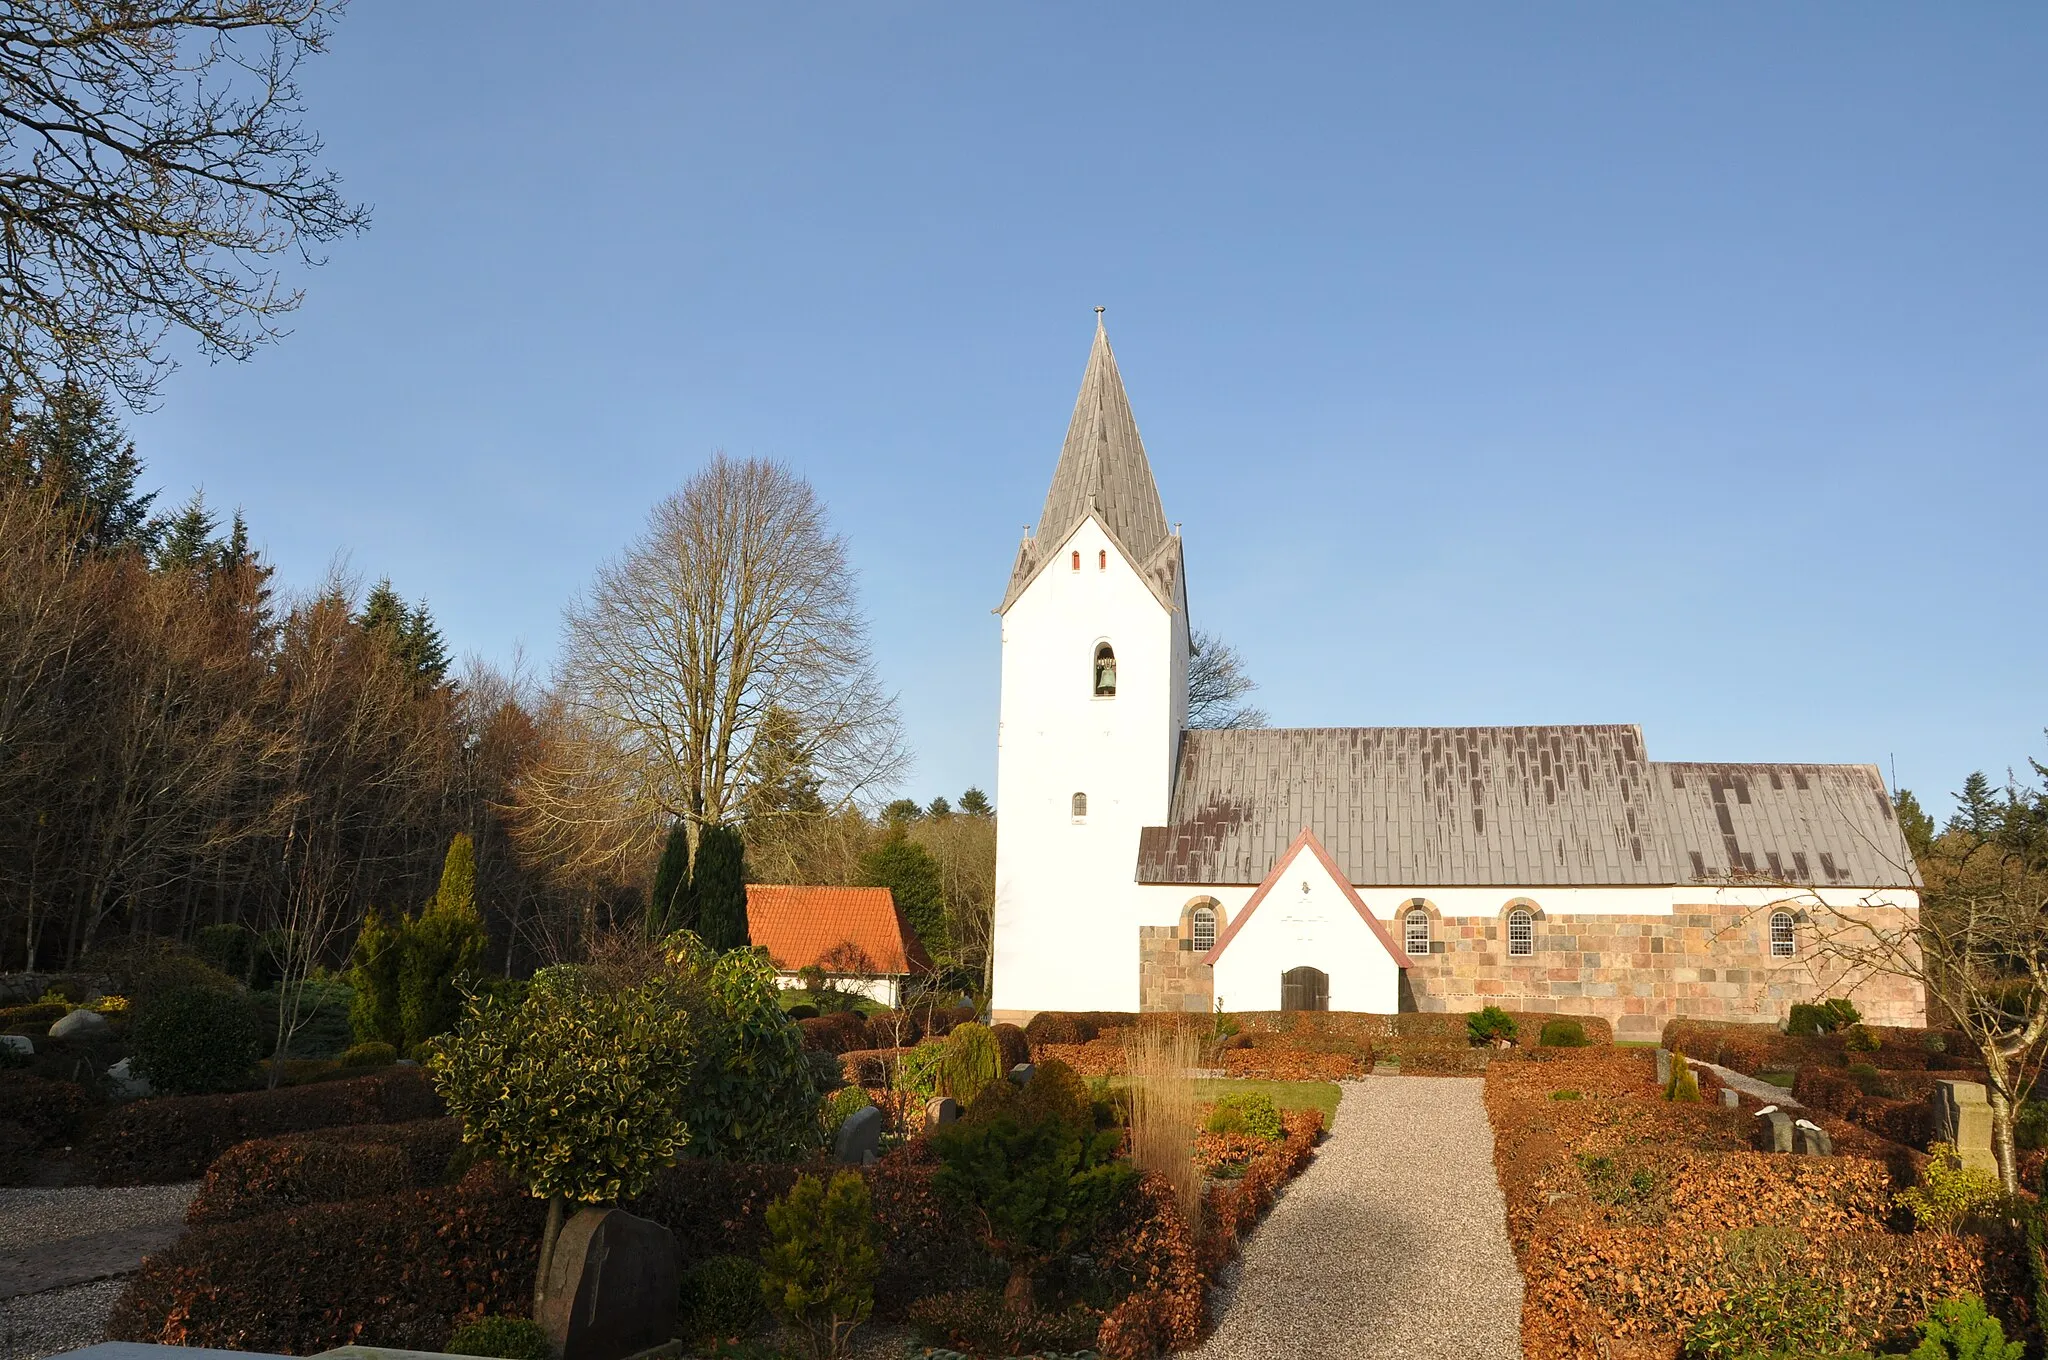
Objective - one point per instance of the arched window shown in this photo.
(1102, 560)
(1521, 932)
(1080, 807)
(1105, 672)
(1077, 559)
(1782, 945)
(1202, 928)
(1415, 930)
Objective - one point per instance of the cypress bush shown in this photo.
(973, 1061)
(718, 888)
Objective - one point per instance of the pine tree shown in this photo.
(409, 632)
(975, 803)
(1914, 823)
(670, 904)
(939, 807)
(185, 541)
(1978, 810)
(718, 888)
(75, 448)
(912, 877)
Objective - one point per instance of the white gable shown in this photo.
(1304, 914)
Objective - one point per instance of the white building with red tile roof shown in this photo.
(856, 935)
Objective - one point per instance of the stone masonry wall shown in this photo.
(1700, 963)
(1169, 978)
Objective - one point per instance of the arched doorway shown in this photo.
(1304, 989)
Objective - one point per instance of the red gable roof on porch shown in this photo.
(1307, 840)
(842, 930)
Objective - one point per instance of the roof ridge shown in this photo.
(1103, 468)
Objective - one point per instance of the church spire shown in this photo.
(1103, 469)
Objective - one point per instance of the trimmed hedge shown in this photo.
(154, 1142)
(396, 1271)
(1319, 1031)
(35, 1114)
(1012, 1044)
(324, 1166)
(1908, 1121)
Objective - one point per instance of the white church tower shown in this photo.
(1095, 658)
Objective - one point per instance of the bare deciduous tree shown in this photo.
(153, 172)
(731, 620)
(1217, 685)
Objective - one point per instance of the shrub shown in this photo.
(372, 1054)
(1564, 1095)
(324, 1166)
(2030, 1128)
(191, 1039)
(1861, 1039)
(973, 1060)
(1684, 1085)
(438, 950)
(373, 981)
(1563, 1034)
(835, 1109)
(1822, 1017)
(834, 1033)
(175, 1138)
(980, 1322)
(229, 947)
(507, 1338)
(1960, 1329)
(1251, 1113)
(1768, 1316)
(1490, 1025)
(36, 1015)
(1011, 1045)
(800, 1011)
(752, 1097)
(818, 1271)
(36, 1113)
(579, 1089)
(1947, 1192)
(918, 1070)
(722, 1299)
(395, 1271)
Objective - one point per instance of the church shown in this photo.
(1142, 865)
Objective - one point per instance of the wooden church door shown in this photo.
(1304, 989)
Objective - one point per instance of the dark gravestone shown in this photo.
(1021, 1073)
(1773, 1130)
(860, 1136)
(940, 1111)
(1813, 1140)
(611, 1287)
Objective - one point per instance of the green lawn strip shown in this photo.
(1288, 1095)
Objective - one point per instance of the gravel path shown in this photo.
(1392, 1244)
(62, 1253)
(1751, 1086)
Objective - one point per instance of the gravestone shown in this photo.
(1731, 1097)
(1962, 1117)
(1773, 1130)
(859, 1137)
(940, 1111)
(1021, 1073)
(1812, 1139)
(20, 1043)
(1663, 1067)
(80, 1024)
(612, 1287)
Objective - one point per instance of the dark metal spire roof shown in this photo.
(1103, 466)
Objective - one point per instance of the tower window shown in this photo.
(1102, 559)
(1077, 559)
(1202, 927)
(1415, 930)
(1105, 671)
(1521, 932)
(1080, 807)
(1782, 945)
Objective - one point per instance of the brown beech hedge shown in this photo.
(323, 1166)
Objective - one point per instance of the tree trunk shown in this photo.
(548, 1234)
(1017, 1293)
(1995, 1066)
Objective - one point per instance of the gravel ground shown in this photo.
(40, 1222)
(1392, 1244)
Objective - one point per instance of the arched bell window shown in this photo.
(1105, 671)
(1080, 807)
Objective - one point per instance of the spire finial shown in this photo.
(1098, 318)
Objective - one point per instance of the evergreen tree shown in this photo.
(718, 888)
(1978, 809)
(373, 982)
(669, 906)
(186, 540)
(439, 950)
(1914, 823)
(912, 877)
(457, 892)
(409, 632)
(975, 803)
(780, 775)
(900, 811)
(75, 448)
(939, 807)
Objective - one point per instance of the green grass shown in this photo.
(1782, 1080)
(1288, 1095)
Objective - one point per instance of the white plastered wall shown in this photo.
(1306, 918)
(882, 990)
(1067, 903)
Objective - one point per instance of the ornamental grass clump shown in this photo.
(818, 1271)
(579, 1088)
(1164, 1113)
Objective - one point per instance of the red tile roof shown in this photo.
(842, 930)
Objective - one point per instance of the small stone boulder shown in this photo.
(20, 1043)
(80, 1024)
(859, 1137)
(940, 1111)
(612, 1286)
(125, 1084)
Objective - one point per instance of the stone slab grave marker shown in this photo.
(1774, 1130)
(1731, 1097)
(1021, 1073)
(940, 1111)
(860, 1136)
(1811, 1139)
(612, 1287)
(1663, 1067)
(1962, 1117)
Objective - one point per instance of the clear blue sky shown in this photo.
(1676, 365)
